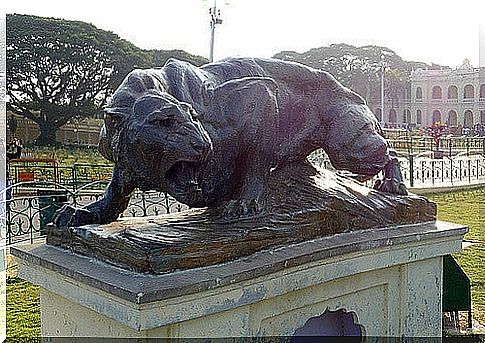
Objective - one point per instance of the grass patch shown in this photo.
(23, 309)
(68, 155)
(468, 207)
(472, 260)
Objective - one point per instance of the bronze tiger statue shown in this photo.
(211, 136)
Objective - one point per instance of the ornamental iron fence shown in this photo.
(38, 190)
(25, 215)
(73, 177)
(444, 146)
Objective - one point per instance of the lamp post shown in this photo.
(383, 70)
(76, 132)
(215, 18)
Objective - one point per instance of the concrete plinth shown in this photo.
(390, 280)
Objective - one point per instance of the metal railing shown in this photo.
(74, 176)
(24, 217)
(427, 172)
(30, 206)
(450, 146)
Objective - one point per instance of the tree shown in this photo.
(159, 57)
(395, 85)
(359, 67)
(58, 69)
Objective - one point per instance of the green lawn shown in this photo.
(23, 318)
(23, 309)
(463, 207)
(469, 208)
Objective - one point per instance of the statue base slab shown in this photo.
(303, 203)
(390, 279)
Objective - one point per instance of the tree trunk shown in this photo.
(47, 134)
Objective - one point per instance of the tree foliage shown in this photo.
(59, 69)
(359, 68)
(159, 57)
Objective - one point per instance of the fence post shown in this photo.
(143, 204)
(442, 170)
(478, 165)
(167, 203)
(411, 170)
(31, 219)
(460, 166)
(8, 234)
(469, 171)
(451, 171)
(74, 177)
(422, 172)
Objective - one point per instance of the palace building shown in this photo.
(455, 97)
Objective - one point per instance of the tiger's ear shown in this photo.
(113, 116)
(105, 144)
(207, 93)
(115, 112)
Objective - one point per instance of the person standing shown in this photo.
(14, 151)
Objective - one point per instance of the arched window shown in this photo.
(482, 117)
(436, 116)
(469, 92)
(482, 91)
(436, 92)
(419, 117)
(392, 116)
(468, 119)
(378, 114)
(452, 118)
(419, 93)
(452, 92)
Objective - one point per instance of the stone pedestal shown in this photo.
(389, 279)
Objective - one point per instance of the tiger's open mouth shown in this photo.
(183, 178)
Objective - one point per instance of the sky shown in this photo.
(443, 32)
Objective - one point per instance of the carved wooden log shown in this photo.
(303, 204)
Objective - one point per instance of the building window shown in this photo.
(419, 93)
(436, 116)
(452, 118)
(468, 119)
(392, 116)
(468, 92)
(419, 118)
(452, 92)
(482, 91)
(436, 92)
(378, 114)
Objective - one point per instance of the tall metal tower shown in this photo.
(215, 18)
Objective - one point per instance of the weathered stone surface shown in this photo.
(390, 278)
(309, 204)
(143, 287)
